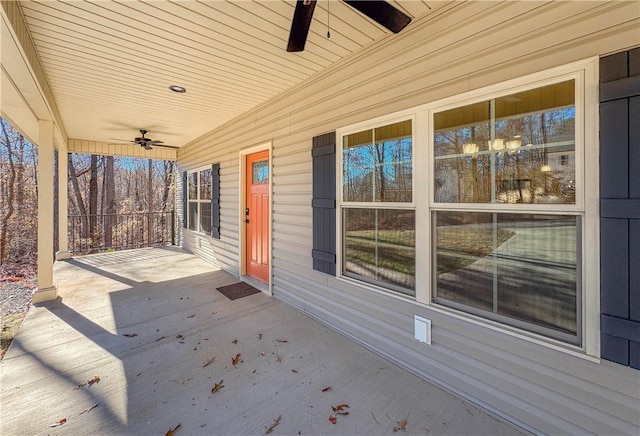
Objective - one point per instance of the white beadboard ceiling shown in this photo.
(110, 63)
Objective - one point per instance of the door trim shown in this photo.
(242, 163)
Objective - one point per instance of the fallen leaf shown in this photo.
(294, 371)
(95, 379)
(217, 387)
(191, 316)
(172, 430)
(236, 360)
(333, 419)
(259, 336)
(327, 389)
(235, 341)
(60, 422)
(340, 407)
(281, 340)
(208, 362)
(402, 425)
(262, 353)
(213, 313)
(89, 409)
(179, 336)
(273, 425)
(130, 335)
(278, 359)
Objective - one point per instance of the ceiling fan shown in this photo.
(378, 10)
(145, 142)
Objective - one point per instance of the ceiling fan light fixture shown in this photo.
(178, 89)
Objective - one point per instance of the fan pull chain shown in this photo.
(328, 15)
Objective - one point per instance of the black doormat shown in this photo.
(237, 290)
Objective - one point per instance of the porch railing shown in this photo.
(120, 231)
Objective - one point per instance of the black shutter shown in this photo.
(323, 154)
(184, 199)
(620, 207)
(215, 200)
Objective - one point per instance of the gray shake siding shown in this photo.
(458, 47)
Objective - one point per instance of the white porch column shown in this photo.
(46, 290)
(63, 178)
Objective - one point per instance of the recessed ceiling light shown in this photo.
(176, 88)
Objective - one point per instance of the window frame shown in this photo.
(586, 207)
(342, 204)
(198, 200)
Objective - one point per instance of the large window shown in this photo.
(199, 200)
(506, 227)
(378, 216)
(482, 206)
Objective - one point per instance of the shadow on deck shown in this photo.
(151, 325)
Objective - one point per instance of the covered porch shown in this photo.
(150, 324)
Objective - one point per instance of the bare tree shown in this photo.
(93, 201)
(109, 202)
(10, 194)
(78, 194)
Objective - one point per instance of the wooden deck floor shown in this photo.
(151, 325)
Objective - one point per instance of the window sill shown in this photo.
(555, 345)
(370, 287)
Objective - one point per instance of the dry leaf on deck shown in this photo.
(60, 422)
(273, 425)
(179, 336)
(208, 362)
(259, 336)
(294, 371)
(281, 340)
(89, 409)
(217, 387)
(236, 360)
(333, 419)
(340, 407)
(130, 335)
(172, 431)
(402, 425)
(95, 379)
(235, 341)
(327, 389)
(278, 359)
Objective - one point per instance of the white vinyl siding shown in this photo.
(454, 49)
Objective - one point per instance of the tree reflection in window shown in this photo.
(377, 164)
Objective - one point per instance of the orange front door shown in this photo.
(257, 216)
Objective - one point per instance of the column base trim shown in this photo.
(46, 294)
(63, 255)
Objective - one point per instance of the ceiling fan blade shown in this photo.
(382, 13)
(147, 147)
(154, 142)
(166, 146)
(300, 25)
